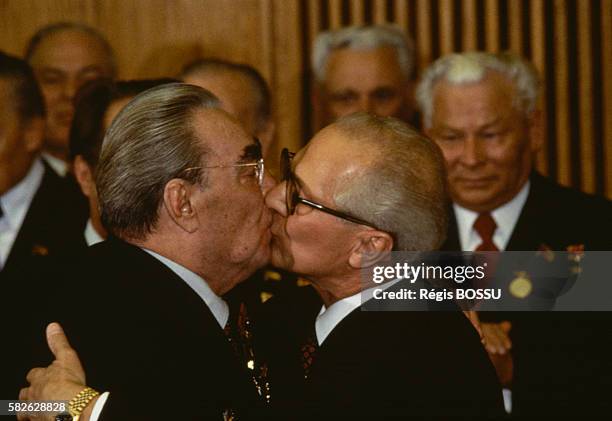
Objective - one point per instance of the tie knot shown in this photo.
(485, 226)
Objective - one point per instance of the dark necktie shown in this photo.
(308, 353)
(485, 227)
(238, 330)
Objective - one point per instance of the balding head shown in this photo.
(64, 57)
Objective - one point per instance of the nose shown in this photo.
(268, 182)
(472, 153)
(275, 199)
(70, 88)
(366, 104)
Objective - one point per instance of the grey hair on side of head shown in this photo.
(150, 142)
(473, 67)
(404, 191)
(363, 38)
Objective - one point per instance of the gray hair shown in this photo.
(363, 38)
(54, 28)
(404, 191)
(473, 67)
(259, 87)
(150, 142)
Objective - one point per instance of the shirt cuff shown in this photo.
(97, 409)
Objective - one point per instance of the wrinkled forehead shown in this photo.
(331, 157)
(70, 46)
(223, 136)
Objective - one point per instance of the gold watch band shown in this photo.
(80, 401)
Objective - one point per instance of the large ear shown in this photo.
(178, 204)
(535, 129)
(371, 246)
(84, 176)
(34, 131)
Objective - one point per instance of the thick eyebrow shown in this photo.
(252, 151)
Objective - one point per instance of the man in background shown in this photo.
(481, 109)
(243, 93)
(38, 215)
(97, 103)
(64, 57)
(368, 68)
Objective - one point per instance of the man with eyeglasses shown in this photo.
(370, 185)
(180, 187)
(352, 190)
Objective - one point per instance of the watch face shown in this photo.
(63, 417)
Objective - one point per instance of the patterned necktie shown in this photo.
(308, 353)
(485, 227)
(238, 330)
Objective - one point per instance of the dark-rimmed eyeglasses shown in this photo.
(293, 198)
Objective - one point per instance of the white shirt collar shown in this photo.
(329, 318)
(217, 306)
(506, 217)
(91, 235)
(58, 165)
(15, 204)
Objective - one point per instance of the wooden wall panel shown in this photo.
(567, 41)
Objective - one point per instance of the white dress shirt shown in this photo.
(91, 235)
(217, 306)
(15, 204)
(58, 165)
(506, 217)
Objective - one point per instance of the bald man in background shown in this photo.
(64, 56)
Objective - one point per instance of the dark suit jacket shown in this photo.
(562, 363)
(376, 365)
(53, 225)
(55, 219)
(144, 335)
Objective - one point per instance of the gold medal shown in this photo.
(521, 286)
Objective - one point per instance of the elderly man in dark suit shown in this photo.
(328, 212)
(38, 215)
(180, 187)
(35, 204)
(481, 109)
(366, 185)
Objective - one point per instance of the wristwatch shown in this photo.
(77, 405)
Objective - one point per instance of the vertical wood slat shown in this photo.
(401, 14)
(423, 31)
(267, 36)
(515, 24)
(288, 55)
(314, 22)
(357, 17)
(538, 53)
(335, 14)
(492, 25)
(469, 28)
(606, 71)
(585, 98)
(380, 11)
(562, 117)
(447, 33)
